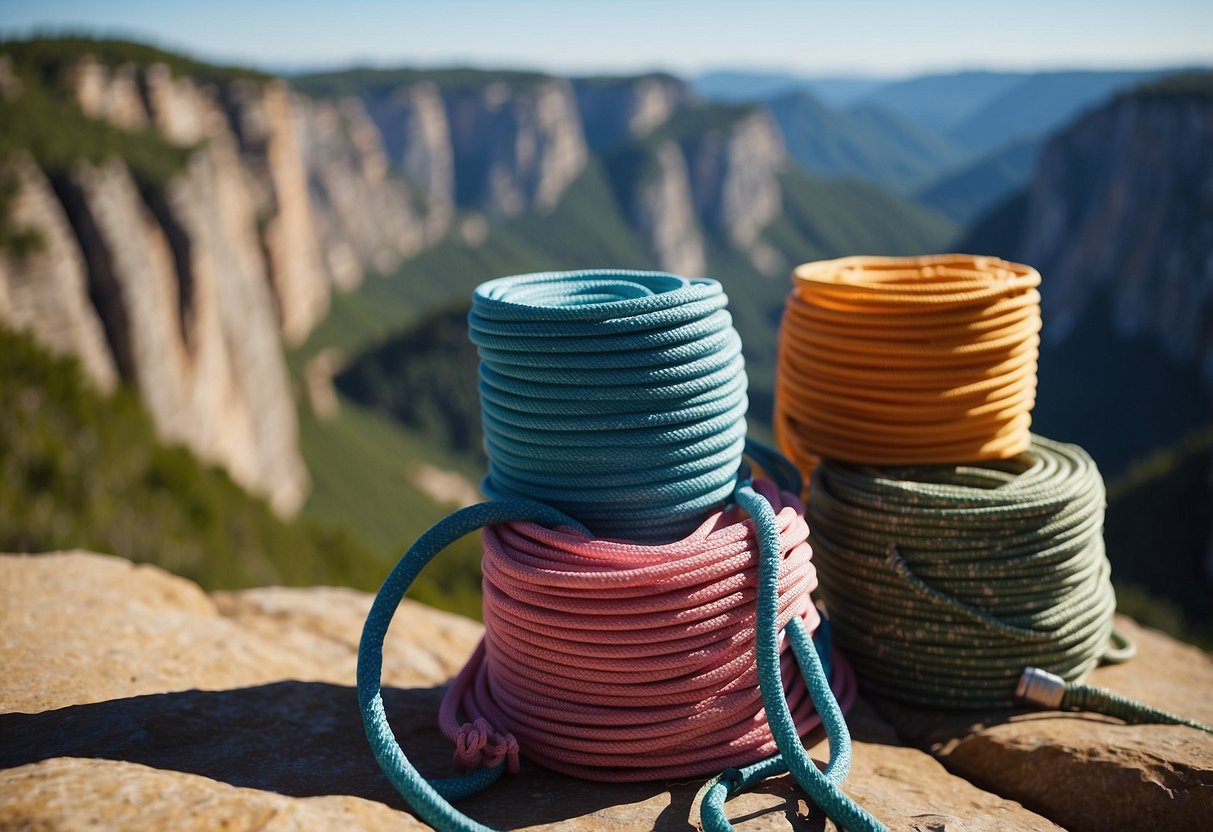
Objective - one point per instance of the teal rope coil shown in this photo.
(948, 585)
(616, 398)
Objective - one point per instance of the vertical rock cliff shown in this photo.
(1121, 206)
(264, 121)
(366, 219)
(516, 146)
(182, 287)
(46, 290)
(733, 176)
(617, 110)
(659, 205)
(417, 137)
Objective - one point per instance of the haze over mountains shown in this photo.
(957, 142)
(225, 243)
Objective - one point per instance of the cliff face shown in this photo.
(47, 290)
(188, 287)
(617, 110)
(515, 147)
(661, 207)
(183, 287)
(1120, 207)
(733, 176)
(265, 125)
(417, 136)
(366, 219)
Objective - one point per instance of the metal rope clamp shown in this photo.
(1040, 687)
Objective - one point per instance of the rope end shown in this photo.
(1040, 687)
(480, 744)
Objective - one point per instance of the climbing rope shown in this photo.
(913, 360)
(972, 586)
(616, 661)
(622, 650)
(617, 397)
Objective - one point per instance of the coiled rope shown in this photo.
(907, 360)
(618, 398)
(944, 583)
(616, 661)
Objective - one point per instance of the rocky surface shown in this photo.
(1086, 771)
(131, 699)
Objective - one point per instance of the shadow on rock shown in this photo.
(305, 739)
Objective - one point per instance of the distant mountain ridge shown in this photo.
(959, 141)
(173, 223)
(865, 142)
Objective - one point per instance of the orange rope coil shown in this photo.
(908, 360)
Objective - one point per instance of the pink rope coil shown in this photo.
(618, 661)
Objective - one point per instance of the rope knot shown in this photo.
(480, 744)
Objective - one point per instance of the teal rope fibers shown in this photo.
(429, 800)
(618, 397)
(822, 787)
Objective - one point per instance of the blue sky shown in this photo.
(877, 37)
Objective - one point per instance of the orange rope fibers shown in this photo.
(907, 360)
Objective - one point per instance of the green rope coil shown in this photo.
(944, 582)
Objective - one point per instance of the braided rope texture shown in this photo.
(944, 582)
(907, 360)
(624, 650)
(616, 397)
(615, 661)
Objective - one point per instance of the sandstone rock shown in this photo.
(662, 211)
(520, 147)
(133, 700)
(190, 316)
(66, 793)
(1086, 771)
(733, 176)
(110, 95)
(168, 286)
(182, 112)
(46, 291)
(301, 283)
(366, 220)
(250, 416)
